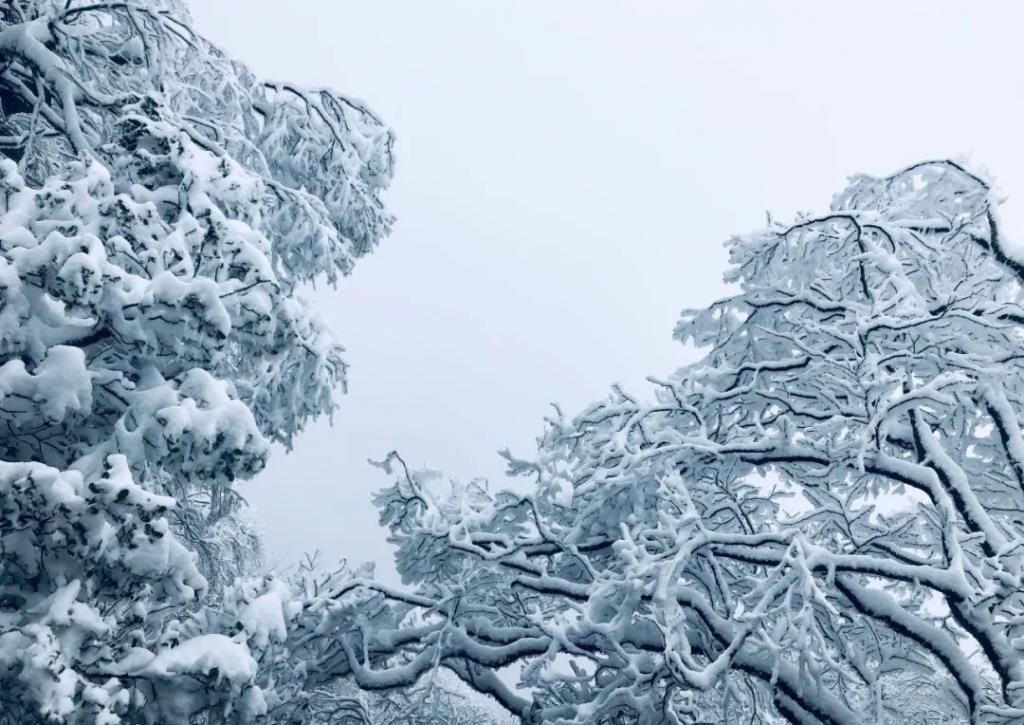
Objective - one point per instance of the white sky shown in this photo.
(567, 171)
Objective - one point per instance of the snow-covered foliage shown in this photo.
(159, 208)
(820, 521)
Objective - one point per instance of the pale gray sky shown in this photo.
(567, 171)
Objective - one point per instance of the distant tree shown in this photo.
(159, 208)
(296, 632)
(821, 520)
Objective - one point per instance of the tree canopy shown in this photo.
(820, 520)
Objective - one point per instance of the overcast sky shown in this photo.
(567, 173)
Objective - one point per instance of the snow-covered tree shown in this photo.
(821, 520)
(159, 209)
